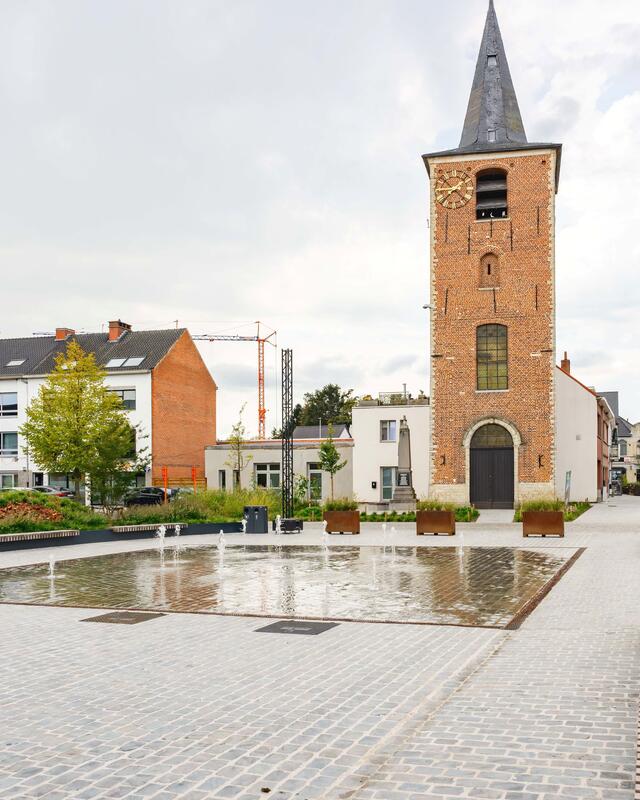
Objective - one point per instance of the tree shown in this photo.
(238, 459)
(330, 458)
(112, 475)
(330, 405)
(75, 425)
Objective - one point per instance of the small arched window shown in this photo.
(489, 271)
(491, 357)
(491, 194)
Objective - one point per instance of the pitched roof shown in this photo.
(339, 431)
(39, 352)
(493, 122)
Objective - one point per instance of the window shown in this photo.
(268, 476)
(491, 357)
(128, 397)
(491, 194)
(8, 404)
(7, 481)
(222, 479)
(315, 482)
(489, 271)
(125, 362)
(388, 482)
(15, 363)
(388, 430)
(8, 444)
(491, 436)
(623, 448)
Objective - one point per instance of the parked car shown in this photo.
(146, 496)
(54, 490)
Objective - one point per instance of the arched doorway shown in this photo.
(491, 451)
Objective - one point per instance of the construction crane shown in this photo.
(261, 340)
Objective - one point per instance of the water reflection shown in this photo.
(460, 585)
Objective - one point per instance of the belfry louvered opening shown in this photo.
(491, 194)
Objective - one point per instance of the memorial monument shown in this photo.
(404, 496)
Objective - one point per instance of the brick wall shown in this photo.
(523, 301)
(183, 402)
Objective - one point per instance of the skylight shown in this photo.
(125, 362)
(16, 363)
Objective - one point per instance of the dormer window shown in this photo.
(491, 136)
(491, 193)
(492, 61)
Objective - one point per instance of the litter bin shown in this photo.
(257, 519)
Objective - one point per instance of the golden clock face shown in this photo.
(454, 189)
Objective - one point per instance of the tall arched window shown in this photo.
(491, 194)
(491, 357)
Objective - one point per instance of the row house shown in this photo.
(165, 386)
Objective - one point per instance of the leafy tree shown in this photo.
(238, 459)
(113, 474)
(330, 458)
(75, 425)
(330, 404)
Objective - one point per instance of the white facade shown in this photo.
(576, 428)
(263, 466)
(17, 469)
(375, 454)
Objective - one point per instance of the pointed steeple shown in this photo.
(493, 116)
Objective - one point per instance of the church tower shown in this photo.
(493, 299)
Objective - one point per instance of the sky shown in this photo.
(217, 163)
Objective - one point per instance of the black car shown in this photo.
(145, 496)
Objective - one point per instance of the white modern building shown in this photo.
(262, 463)
(375, 427)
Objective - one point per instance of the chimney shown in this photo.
(565, 364)
(117, 328)
(63, 333)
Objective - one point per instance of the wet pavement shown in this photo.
(471, 586)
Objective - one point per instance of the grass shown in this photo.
(571, 512)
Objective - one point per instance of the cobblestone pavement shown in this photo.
(204, 707)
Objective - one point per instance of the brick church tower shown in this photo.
(493, 299)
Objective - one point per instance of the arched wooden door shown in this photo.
(492, 484)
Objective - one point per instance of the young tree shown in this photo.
(330, 458)
(238, 459)
(75, 425)
(330, 404)
(113, 474)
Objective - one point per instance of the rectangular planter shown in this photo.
(436, 523)
(342, 521)
(543, 523)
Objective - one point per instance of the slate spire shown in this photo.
(493, 116)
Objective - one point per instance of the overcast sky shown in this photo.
(222, 162)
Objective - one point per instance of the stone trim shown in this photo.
(27, 536)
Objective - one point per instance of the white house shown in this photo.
(263, 463)
(375, 454)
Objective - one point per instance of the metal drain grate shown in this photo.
(124, 617)
(300, 626)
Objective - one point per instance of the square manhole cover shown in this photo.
(297, 626)
(124, 617)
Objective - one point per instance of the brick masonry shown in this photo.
(524, 302)
(183, 398)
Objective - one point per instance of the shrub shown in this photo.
(463, 513)
(571, 512)
(631, 488)
(341, 504)
(33, 511)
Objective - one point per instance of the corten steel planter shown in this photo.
(436, 523)
(342, 521)
(543, 523)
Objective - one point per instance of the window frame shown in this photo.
(388, 423)
(4, 451)
(3, 412)
(393, 471)
(500, 360)
(269, 470)
(314, 474)
(120, 392)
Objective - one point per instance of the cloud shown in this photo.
(229, 162)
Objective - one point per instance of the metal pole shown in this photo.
(287, 434)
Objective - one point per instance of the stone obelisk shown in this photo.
(404, 496)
